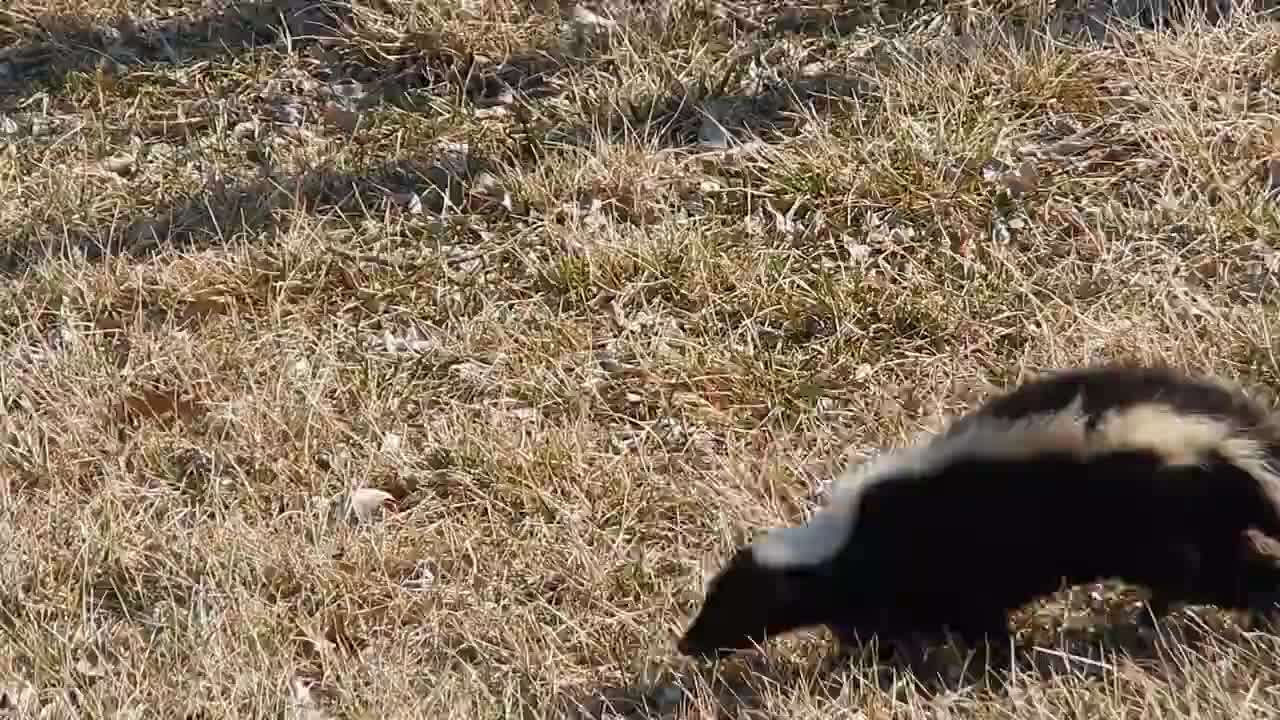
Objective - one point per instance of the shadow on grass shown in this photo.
(1173, 653)
(711, 112)
(223, 214)
(442, 179)
(809, 18)
(738, 686)
(68, 44)
(714, 114)
(388, 60)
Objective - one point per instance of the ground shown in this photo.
(421, 358)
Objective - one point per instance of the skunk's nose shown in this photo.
(684, 646)
(690, 649)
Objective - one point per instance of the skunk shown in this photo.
(1139, 474)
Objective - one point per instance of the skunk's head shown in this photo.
(756, 597)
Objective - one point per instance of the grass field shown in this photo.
(420, 358)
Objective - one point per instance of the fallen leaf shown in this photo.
(341, 118)
(246, 130)
(206, 304)
(61, 707)
(367, 502)
(348, 90)
(492, 111)
(304, 701)
(1022, 181)
(420, 578)
(121, 164)
(91, 665)
(391, 443)
(581, 16)
(394, 345)
(700, 408)
(21, 697)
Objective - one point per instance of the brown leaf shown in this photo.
(340, 632)
(154, 403)
(699, 408)
(206, 304)
(341, 118)
(1022, 181)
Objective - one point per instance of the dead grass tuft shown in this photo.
(419, 358)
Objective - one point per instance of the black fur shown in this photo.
(959, 549)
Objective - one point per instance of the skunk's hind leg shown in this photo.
(1181, 578)
(986, 632)
(1240, 573)
(1259, 560)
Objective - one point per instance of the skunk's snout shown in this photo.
(689, 649)
(685, 647)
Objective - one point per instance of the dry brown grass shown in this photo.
(584, 337)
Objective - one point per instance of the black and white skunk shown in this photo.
(1143, 475)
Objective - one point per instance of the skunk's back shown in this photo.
(1106, 388)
